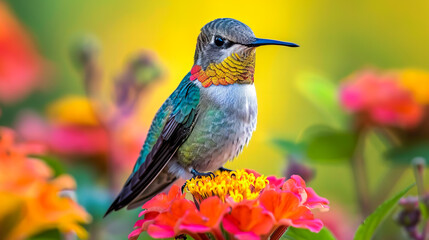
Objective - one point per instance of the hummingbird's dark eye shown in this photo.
(219, 41)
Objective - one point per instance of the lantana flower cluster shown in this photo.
(238, 204)
(32, 199)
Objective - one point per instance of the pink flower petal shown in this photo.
(247, 236)
(194, 228)
(275, 182)
(134, 235)
(314, 200)
(314, 225)
(160, 231)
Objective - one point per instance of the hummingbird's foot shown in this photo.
(197, 174)
(181, 236)
(222, 169)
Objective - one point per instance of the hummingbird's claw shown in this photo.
(181, 236)
(222, 169)
(197, 174)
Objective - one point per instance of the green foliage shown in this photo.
(305, 234)
(291, 147)
(54, 163)
(148, 74)
(323, 94)
(424, 210)
(332, 146)
(52, 234)
(11, 219)
(405, 154)
(321, 144)
(94, 197)
(367, 228)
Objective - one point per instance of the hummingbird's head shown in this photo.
(225, 53)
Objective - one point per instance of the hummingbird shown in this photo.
(207, 120)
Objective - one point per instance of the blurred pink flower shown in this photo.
(341, 223)
(380, 100)
(78, 140)
(63, 139)
(73, 131)
(20, 64)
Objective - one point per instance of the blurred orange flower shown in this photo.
(417, 82)
(246, 204)
(32, 197)
(20, 64)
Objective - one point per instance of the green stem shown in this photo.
(394, 174)
(360, 176)
(392, 177)
(419, 167)
(197, 236)
(278, 233)
(218, 234)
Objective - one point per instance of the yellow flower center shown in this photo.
(239, 185)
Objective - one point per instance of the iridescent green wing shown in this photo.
(183, 100)
(171, 127)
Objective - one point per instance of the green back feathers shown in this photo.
(181, 104)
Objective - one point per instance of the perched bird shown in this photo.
(207, 120)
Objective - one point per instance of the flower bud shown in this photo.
(410, 215)
(139, 73)
(296, 168)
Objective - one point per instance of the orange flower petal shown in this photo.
(246, 221)
(207, 219)
(286, 210)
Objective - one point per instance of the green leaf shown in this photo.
(315, 130)
(405, 154)
(321, 143)
(323, 94)
(305, 234)
(56, 164)
(290, 147)
(367, 228)
(11, 217)
(331, 146)
(51, 234)
(424, 210)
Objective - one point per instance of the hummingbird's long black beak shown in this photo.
(261, 42)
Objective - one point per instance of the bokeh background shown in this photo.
(337, 39)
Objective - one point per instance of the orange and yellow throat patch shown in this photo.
(233, 69)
